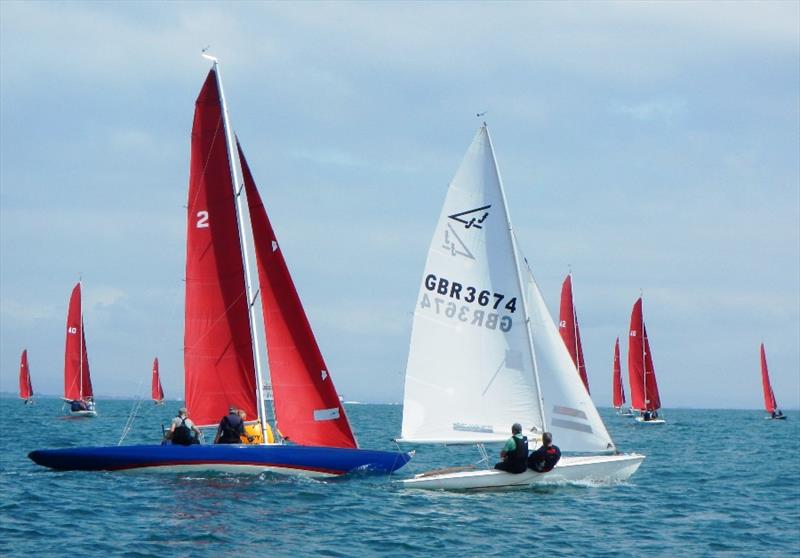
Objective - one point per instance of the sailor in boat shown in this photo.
(78, 405)
(776, 414)
(545, 458)
(515, 452)
(230, 429)
(182, 431)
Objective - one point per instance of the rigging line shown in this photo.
(132, 416)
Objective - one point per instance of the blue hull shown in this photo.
(238, 458)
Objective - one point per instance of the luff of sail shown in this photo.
(570, 332)
(218, 352)
(769, 396)
(157, 391)
(641, 374)
(618, 390)
(470, 371)
(307, 407)
(25, 387)
(571, 415)
(77, 380)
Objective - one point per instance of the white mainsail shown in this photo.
(470, 368)
(473, 363)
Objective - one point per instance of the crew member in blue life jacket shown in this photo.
(182, 431)
(77, 405)
(515, 452)
(230, 429)
(545, 458)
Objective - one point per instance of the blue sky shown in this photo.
(649, 146)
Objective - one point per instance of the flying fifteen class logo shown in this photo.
(471, 219)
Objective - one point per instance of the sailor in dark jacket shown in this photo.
(545, 458)
(515, 452)
(230, 429)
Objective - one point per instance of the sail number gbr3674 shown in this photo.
(480, 308)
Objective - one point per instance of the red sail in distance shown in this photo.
(570, 333)
(307, 406)
(769, 397)
(77, 381)
(25, 387)
(158, 392)
(618, 388)
(642, 376)
(218, 351)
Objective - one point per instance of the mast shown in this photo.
(519, 283)
(237, 190)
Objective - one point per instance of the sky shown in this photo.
(650, 147)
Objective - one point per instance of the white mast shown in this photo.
(237, 191)
(519, 283)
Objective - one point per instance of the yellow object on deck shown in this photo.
(252, 434)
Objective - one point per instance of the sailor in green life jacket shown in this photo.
(515, 452)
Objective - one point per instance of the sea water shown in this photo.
(715, 483)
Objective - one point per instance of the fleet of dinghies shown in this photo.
(484, 351)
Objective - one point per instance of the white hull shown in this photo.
(83, 413)
(233, 469)
(651, 421)
(603, 468)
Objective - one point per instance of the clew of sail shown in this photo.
(218, 352)
(307, 406)
(77, 381)
(571, 415)
(470, 372)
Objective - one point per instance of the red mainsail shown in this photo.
(218, 351)
(77, 381)
(769, 397)
(25, 387)
(570, 333)
(307, 406)
(642, 376)
(157, 390)
(618, 388)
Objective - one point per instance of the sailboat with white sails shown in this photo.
(484, 351)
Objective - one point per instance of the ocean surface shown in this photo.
(715, 483)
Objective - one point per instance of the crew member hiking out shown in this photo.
(545, 458)
(515, 452)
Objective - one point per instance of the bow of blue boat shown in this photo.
(233, 458)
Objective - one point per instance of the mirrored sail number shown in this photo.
(467, 313)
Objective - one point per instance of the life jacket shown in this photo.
(516, 461)
(544, 461)
(232, 427)
(182, 435)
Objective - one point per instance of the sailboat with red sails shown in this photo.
(617, 389)
(641, 374)
(157, 392)
(569, 330)
(770, 405)
(78, 392)
(25, 387)
(222, 360)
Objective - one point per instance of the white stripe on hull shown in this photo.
(234, 468)
(607, 468)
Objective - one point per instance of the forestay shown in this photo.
(470, 369)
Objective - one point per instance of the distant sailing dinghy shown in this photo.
(770, 405)
(25, 387)
(569, 330)
(642, 375)
(485, 352)
(618, 390)
(156, 389)
(78, 392)
(222, 363)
